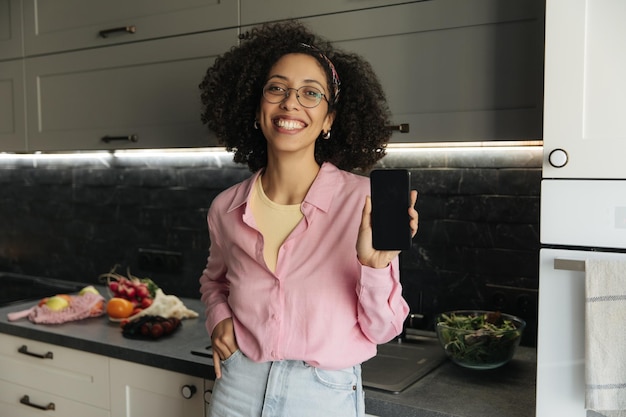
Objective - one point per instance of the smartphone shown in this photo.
(391, 197)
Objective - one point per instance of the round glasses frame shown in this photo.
(276, 93)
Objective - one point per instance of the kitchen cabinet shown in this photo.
(65, 382)
(583, 203)
(258, 11)
(454, 70)
(72, 383)
(144, 94)
(63, 25)
(139, 88)
(10, 29)
(12, 112)
(139, 390)
(584, 132)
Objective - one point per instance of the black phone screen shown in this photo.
(390, 192)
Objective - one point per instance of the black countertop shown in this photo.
(451, 390)
(447, 391)
(104, 337)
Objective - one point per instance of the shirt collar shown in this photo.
(243, 192)
(323, 188)
(320, 194)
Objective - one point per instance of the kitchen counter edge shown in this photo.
(448, 391)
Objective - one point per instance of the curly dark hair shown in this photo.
(232, 90)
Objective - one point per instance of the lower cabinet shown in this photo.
(36, 376)
(43, 379)
(139, 391)
(15, 403)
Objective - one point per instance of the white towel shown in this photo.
(605, 337)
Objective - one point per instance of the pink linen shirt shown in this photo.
(321, 305)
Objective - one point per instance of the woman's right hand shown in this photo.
(224, 343)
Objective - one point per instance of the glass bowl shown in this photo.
(479, 339)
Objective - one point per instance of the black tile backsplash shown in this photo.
(74, 219)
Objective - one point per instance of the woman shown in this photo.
(296, 296)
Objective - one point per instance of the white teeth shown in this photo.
(289, 124)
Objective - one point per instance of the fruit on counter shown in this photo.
(66, 297)
(119, 308)
(98, 307)
(139, 291)
(146, 297)
(163, 305)
(58, 302)
(151, 327)
(168, 306)
(89, 289)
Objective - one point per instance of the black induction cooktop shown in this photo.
(16, 287)
(398, 365)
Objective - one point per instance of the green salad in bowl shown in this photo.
(479, 339)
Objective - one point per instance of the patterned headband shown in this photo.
(335, 81)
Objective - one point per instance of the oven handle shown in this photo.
(569, 264)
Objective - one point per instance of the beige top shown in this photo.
(275, 222)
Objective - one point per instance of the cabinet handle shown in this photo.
(24, 349)
(26, 401)
(244, 36)
(402, 127)
(129, 138)
(188, 391)
(569, 264)
(558, 158)
(124, 29)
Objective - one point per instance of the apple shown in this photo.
(57, 303)
(89, 289)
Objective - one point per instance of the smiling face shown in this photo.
(287, 125)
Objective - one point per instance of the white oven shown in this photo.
(583, 195)
(580, 220)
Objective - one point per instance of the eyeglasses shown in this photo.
(307, 96)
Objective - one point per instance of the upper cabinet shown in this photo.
(137, 95)
(10, 29)
(63, 25)
(453, 70)
(88, 74)
(584, 131)
(258, 11)
(118, 74)
(12, 115)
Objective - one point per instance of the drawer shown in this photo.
(141, 390)
(10, 405)
(67, 373)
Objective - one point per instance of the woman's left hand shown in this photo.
(368, 256)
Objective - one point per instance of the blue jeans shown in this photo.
(285, 389)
